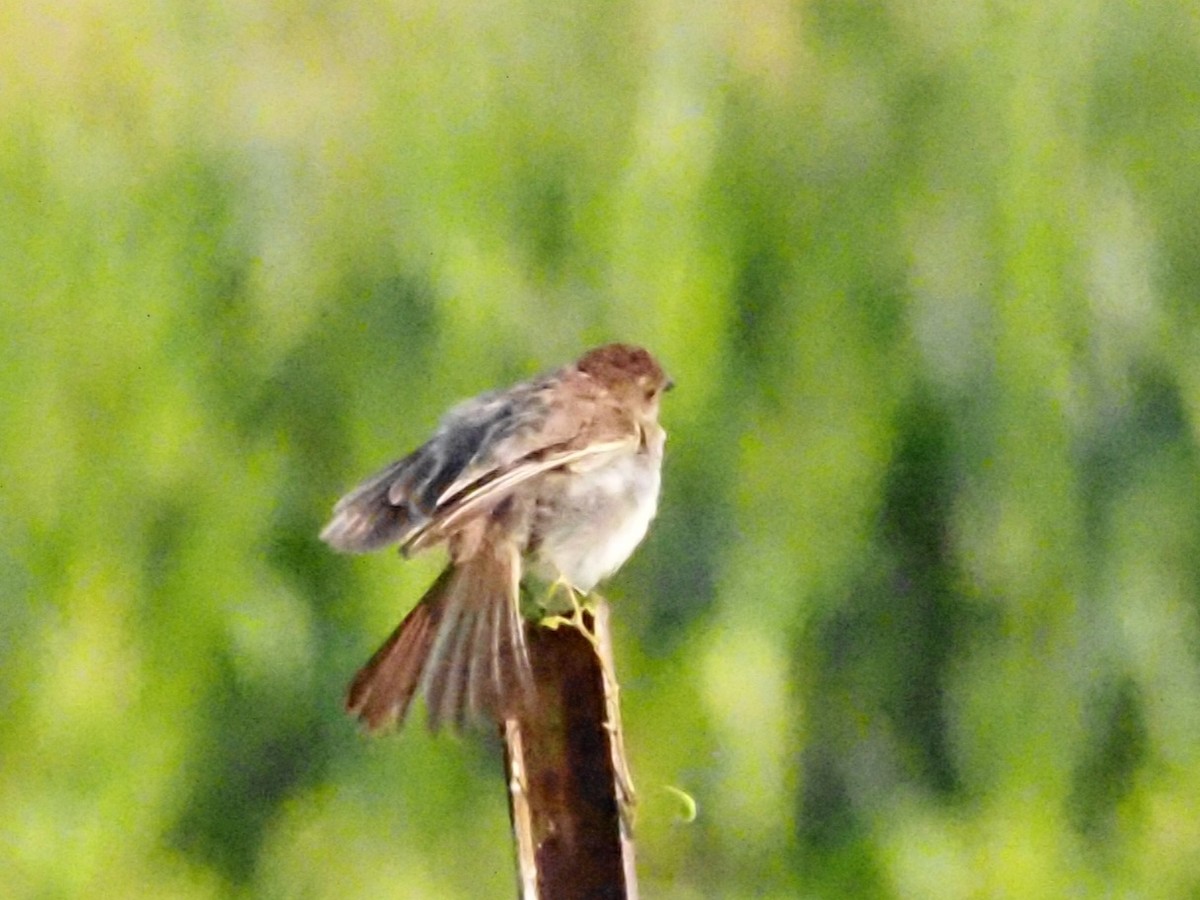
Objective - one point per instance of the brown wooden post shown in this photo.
(570, 793)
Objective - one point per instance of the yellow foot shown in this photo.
(575, 620)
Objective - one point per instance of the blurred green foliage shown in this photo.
(919, 617)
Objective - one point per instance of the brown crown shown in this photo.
(616, 365)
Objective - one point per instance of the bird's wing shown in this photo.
(488, 491)
(394, 503)
(482, 450)
(577, 424)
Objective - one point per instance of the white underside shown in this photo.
(614, 505)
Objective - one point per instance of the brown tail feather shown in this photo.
(483, 677)
(463, 646)
(448, 663)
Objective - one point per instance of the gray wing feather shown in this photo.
(472, 440)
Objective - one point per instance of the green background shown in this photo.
(919, 616)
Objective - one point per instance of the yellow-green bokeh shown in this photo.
(920, 614)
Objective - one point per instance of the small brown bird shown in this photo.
(558, 475)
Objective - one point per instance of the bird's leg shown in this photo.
(575, 620)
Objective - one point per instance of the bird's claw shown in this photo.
(575, 619)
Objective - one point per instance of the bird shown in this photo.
(556, 477)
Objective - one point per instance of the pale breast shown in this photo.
(590, 522)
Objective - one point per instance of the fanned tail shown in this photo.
(463, 646)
